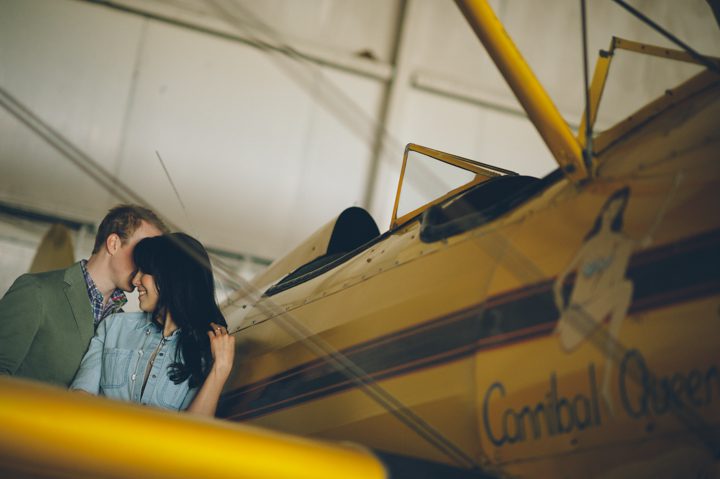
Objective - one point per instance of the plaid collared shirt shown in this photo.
(114, 305)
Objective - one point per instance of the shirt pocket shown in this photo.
(171, 395)
(115, 368)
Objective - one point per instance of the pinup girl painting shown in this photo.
(601, 290)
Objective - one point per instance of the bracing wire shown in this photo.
(588, 149)
(644, 18)
(172, 183)
(124, 193)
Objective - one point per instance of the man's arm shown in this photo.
(21, 315)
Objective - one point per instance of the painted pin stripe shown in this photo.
(661, 276)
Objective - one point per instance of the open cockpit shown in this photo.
(464, 194)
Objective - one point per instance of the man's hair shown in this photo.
(123, 220)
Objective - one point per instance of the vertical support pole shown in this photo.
(382, 140)
(597, 87)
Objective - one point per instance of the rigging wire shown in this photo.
(364, 382)
(609, 346)
(355, 118)
(172, 183)
(588, 148)
(356, 374)
(644, 18)
(308, 75)
(175, 190)
(124, 193)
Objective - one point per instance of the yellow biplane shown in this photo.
(504, 325)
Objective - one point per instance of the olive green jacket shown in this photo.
(46, 323)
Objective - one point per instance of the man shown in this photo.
(48, 319)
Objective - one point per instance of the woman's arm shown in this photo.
(560, 281)
(87, 378)
(222, 346)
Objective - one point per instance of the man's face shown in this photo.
(122, 264)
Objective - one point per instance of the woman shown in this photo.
(176, 353)
(601, 287)
(601, 290)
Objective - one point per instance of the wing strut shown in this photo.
(532, 96)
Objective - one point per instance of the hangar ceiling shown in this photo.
(271, 117)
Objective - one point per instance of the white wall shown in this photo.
(264, 149)
(258, 163)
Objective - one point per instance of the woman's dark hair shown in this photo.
(617, 222)
(183, 276)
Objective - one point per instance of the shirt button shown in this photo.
(132, 377)
(140, 353)
(147, 331)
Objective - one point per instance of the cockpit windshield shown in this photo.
(428, 176)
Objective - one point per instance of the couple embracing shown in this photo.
(67, 327)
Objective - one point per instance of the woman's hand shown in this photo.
(222, 347)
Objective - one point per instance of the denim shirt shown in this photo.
(118, 358)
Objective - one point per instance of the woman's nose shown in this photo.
(136, 278)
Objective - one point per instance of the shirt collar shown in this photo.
(153, 326)
(115, 303)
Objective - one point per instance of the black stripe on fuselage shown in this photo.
(661, 276)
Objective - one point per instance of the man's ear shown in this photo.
(113, 243)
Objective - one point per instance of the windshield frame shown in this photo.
(482, 171)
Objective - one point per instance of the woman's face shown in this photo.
(148, 294)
